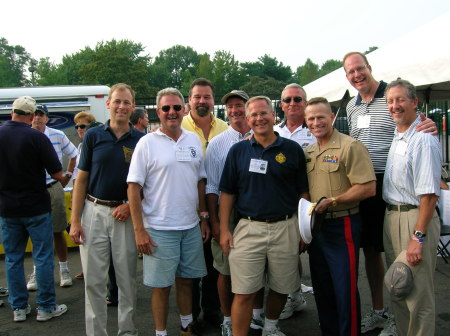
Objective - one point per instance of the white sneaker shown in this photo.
(3, 291)
(273, 332)
(226, 329)
(295, 303)
(20, 315)
(390, 329)
(65, 278)
(32, 284)
(373, 321)
(257, 324)
(42, 315)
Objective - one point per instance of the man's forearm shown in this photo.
(427, 206)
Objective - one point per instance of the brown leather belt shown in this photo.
(401, 207)
(111, 204)
(341, 213)
(267, 220)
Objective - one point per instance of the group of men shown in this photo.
(166, 193)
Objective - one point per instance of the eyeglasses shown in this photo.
(256, 115)
(166, 108)
(359, 69)
(82, 126)
(296, 99)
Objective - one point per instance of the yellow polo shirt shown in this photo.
(217, 126)
(334, 169)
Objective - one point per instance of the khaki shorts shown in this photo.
(59, 218)
(256, 243)
(220, 260)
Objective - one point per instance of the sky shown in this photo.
(289, 30)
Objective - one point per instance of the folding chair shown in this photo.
(442, 248)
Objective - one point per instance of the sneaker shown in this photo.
(390, 329)
(188, 331)
(43, 315)
(373, 321)
(20, 315)
(32, 284)
(273, 332)
(226, 329)
(65, 278)
(3, 291)
(256, 327)
(294, 303)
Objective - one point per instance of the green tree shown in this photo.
(329, 66)
(368, 51)
(267, 67)
(13, 64)
(307, 72)
(269, 87)
(49, 73)
(226, 73)
(169, 67)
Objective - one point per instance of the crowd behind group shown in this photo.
(212, 208)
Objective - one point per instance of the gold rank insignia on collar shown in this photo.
(280, 158)
(330, 158)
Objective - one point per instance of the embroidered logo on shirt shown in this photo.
(280, 158)
(193, 152)
(127, 153)
(330, 158)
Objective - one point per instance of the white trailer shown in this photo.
(63, 102)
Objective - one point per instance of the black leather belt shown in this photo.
(401, 207)
(111, 204)
(51, 184)
(267, 220)
(341, 213)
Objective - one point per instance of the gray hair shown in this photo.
(168, 92)
(138, 113)
(294, 85)
(410, 89)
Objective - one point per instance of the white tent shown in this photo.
(421, 57)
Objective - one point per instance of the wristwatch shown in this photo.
(333, 201)
(419, 234)
(68, 174)
(204, 215)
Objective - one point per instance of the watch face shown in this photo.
(419, 234)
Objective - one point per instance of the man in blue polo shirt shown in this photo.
(25, 155)
(263, 178)
(101, 215)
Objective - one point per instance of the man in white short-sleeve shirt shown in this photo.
(167, 167)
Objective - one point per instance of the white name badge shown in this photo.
(401, 148)
(183, 154)
(258, 166)
(363, 121)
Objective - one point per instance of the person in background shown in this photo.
(63, 147)
(139, 119)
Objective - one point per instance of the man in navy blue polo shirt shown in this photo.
(101, 215)
(25, 155)
(263, 178)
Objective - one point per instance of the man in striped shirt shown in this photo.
(411, 189)
(63, 147)
(370, 123)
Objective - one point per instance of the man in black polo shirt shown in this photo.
(25, 155)
(100, 195)
(263, 178)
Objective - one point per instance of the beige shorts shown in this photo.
(220, 260)
(59, 218)
(256, 243)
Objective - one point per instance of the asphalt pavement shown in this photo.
(304, 323)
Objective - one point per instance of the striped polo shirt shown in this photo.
(371, 123)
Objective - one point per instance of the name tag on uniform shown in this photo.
(401, 148)
(363, 121)
(258, 166)
(183, 154)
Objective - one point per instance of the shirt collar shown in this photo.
(378, 94)
(409, 132)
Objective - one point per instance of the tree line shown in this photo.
(125, 61)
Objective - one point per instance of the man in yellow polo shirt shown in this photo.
(202, 122)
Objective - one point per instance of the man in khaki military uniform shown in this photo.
(339, 168)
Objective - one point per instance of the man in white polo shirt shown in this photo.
(167, 166)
